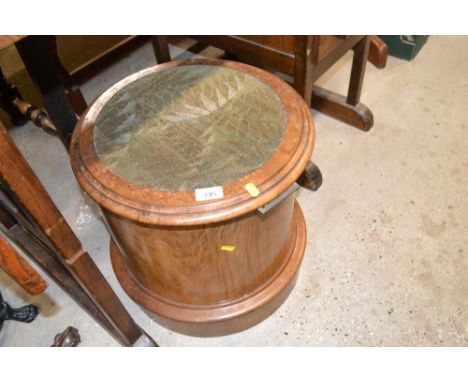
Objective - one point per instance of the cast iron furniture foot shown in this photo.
(26, 313)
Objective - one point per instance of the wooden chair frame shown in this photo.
(305, 59)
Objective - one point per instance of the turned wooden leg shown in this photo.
(311, 178)
(37, 116)
(21, 111)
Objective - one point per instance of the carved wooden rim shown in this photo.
(192, 313)
(149, 205)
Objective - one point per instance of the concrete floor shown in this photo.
(386, 261)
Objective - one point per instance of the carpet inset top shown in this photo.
(190, 127)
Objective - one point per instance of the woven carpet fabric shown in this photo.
(190, 127)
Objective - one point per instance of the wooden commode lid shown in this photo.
(147, 144)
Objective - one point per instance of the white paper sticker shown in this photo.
(209, 193)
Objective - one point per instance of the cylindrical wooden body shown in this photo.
(185, 280)
(188, 265)
(206, 267)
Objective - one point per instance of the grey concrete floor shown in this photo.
(386, 261)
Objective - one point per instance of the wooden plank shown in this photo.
(67, 43)
(50, 263)
(283, 44)
(6, 41)
(19, 269)
(332, 52)
(251, 50)
(107, 58)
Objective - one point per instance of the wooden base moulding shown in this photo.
(228, 315)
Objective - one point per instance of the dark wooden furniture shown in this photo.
(47, 74)
(21, 111)
(201, 267)
(58, 87)
(305, 59)
(30, 218)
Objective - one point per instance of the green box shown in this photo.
(405, 47)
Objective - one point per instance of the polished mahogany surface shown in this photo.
(229, 315)
(203, 267)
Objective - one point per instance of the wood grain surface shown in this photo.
(8, 40)
(18, 176)
(187, 264)
(19, 269)
(228, 315)
(218, 265)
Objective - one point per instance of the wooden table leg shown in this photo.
(361, 52)
(348, 109)
(72, 89)
(21, 111)
(36, 55)
(9, 92)
(161, 49)
(19, 177)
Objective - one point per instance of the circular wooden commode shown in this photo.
(181, 157)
